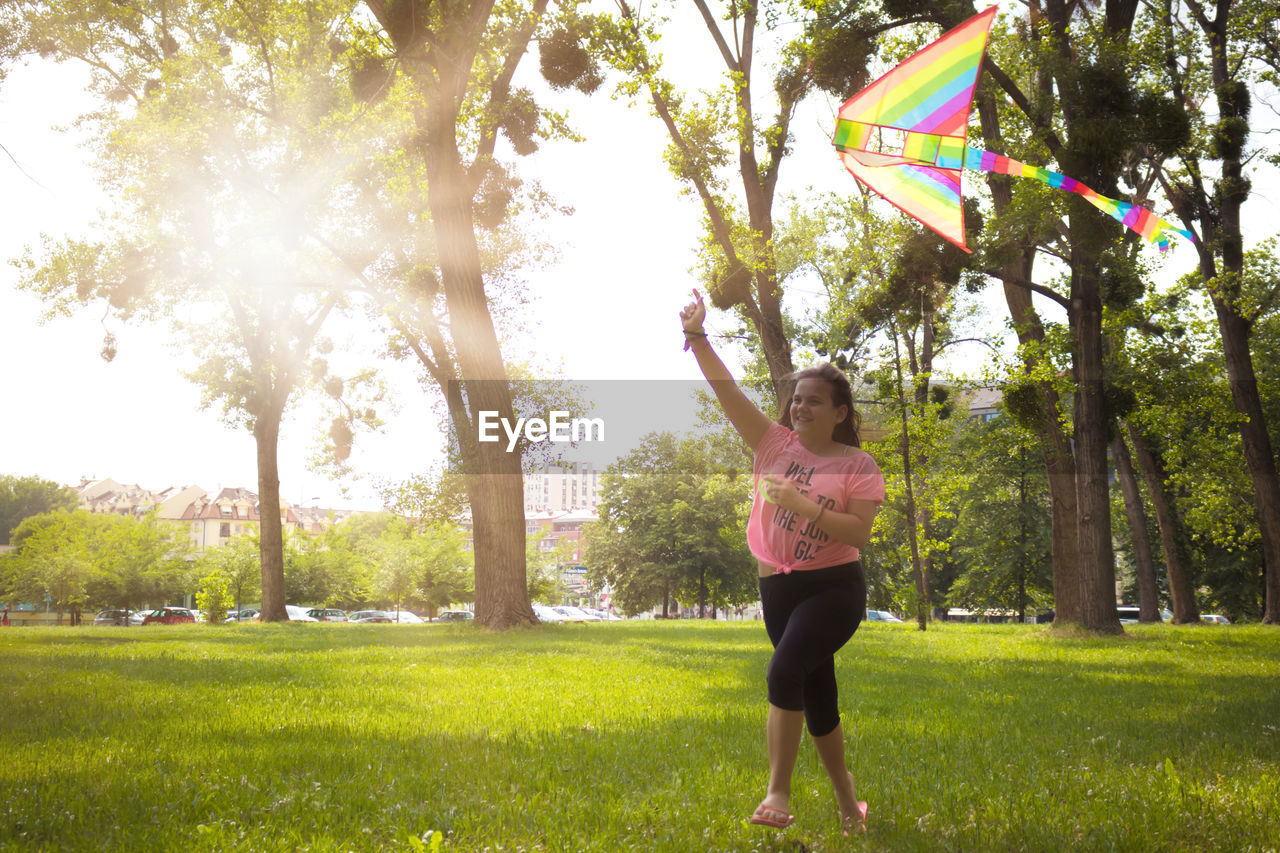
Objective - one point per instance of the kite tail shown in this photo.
(1132, 216)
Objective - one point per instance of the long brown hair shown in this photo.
(847, 431)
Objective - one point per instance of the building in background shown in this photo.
(109, 497)
(562, 489)
(984, 403)
(210, 522)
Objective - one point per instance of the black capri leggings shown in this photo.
(809, 615)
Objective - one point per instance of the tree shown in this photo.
(427, 565)
(77, 559)
(544, 567)
(138, 561)
(725, 149)
(55, 559)
(1023, 220)
(23, 497)
(1139, 544)
(1184, 435)
(1094, 109)
(214, 597)
(221, 134)
(238, 564)
(394, 569)
(673, 523)
(1002, 533)
(1212, 208)
(459, 61)
(445, 574)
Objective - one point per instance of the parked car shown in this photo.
(546, 614)
(327, 614)
(246, 615)
(168, 616)
(112, 617)
(1214, 619)
(367, 616)
(574, 614)
(881, 616)
(298, 614)
(603, 615)
(406, 617)
(455, 616)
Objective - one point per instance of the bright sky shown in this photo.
(606, 310)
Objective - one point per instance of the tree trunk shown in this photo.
(773, 339)
(1185, 610)
(1144, 565)
(1258, 452)
(917, 566)
(1059, 458)
(266, 435)
(1230, 193)
(494, 478)
(1022, 536)
(1218, 213)
(920, 380)
(1089, 234)
(1093, 499)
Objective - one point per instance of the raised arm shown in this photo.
(750, 422)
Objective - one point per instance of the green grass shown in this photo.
(629, 736)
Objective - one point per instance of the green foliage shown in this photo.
(1185, 407)
(213, 598)
(428, 567)
(80, 560)
(542, 567)
(566, 59)
(1001, 535)
(673, 525)
(238, 564)
(838, 57)
(56, 558)
(22, 497)
(1024, 404)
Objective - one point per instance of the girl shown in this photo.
(816, 497)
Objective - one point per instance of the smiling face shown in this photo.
(812, 413)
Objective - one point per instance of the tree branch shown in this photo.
(1033, 287)
(730, 62)
(1016, 95)
(719, 226)
(499, 90)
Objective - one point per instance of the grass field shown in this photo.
(629, 736)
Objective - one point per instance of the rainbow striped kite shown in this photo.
(920, 110)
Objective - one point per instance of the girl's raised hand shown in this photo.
(693, 314)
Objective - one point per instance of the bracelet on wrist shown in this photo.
(690, 337)
(821, 509)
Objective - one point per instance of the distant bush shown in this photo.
(214, 598)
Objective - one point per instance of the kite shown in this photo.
(924, 102)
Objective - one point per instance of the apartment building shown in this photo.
(562, 489)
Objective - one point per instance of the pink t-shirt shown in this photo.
(786, 541)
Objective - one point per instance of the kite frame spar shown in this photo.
(928, 97)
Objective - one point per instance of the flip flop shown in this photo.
(769, 816)
(861, 823)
